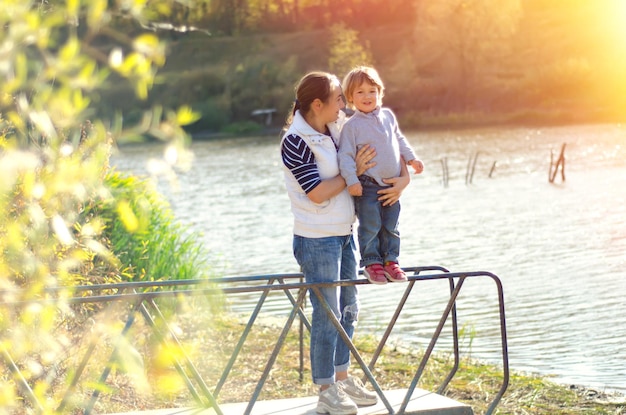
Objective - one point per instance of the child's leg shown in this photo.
(390, 236)
(368, 210)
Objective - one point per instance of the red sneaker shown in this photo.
(375, 274)
(394, 273)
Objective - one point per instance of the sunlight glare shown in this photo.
(615, 18)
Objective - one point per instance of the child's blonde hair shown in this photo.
(356, 77)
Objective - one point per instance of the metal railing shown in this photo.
(142, 296)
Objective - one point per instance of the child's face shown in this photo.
(366, 97)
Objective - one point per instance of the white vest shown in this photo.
(333, 217)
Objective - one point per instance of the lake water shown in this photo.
(559, 249)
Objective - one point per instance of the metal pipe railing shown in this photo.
(142, 296)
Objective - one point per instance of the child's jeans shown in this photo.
(379, 239)
(327, 260)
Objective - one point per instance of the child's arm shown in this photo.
(356, 189)
(348, 155)
(417, 165)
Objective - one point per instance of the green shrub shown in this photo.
(57, 60)
(145, 236)
(347, 50)
(243, 127)
(214, 114)
(260, 82)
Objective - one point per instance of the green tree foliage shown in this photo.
(258, 82)
(537, 57)
(56, 59)
(494, 60)
(182, 14)
(473, 34)
(235, 17)
(347, 50)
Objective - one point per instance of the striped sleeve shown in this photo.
(299, 158)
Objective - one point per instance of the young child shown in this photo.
(378, 236)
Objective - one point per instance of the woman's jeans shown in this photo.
(326, 260)
(379, 239)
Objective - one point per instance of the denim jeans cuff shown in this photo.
(324, 381)
(342, 368)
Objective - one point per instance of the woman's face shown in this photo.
(335, 103)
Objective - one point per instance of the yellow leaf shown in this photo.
(141, 89)
(127, 216)
(21, 68)
(95, 14)
(186, 116)
(69, 50)
(72, 8)
(79, 101)
(146, 44)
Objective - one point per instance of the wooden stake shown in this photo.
(493, 168)
(559, 162)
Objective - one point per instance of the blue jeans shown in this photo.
(327, 260)
(379, 239)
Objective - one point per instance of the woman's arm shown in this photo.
(392, 194)
(326, 189)
(332, 187)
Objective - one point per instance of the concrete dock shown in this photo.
(422, 403)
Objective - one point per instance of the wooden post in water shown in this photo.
(444, 168)
(471, 167)
(493, 168)
(471, 179)
(554, 167)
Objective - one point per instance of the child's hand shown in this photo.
(417, 165)
(356, 189)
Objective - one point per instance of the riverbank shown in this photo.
(476, 383)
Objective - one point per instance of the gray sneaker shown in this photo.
(334, 401)
(353, 387)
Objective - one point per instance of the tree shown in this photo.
(346, 50)
(56, 58)
(472, 35)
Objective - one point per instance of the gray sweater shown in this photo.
(380, 130)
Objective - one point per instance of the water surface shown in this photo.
(560, 249)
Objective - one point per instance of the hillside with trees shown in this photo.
(446, 63)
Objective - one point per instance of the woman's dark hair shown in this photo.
(312, 86)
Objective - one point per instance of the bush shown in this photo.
(57, 59)
(144, 235)
(214, 114)
(261, 83)
(244, 127)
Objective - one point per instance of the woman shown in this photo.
(323, 244)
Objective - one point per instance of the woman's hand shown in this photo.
(391, 195)
(364, 158)
(331, 187)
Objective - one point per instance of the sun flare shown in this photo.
(614, 17)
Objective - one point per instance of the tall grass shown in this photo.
(145, 236)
